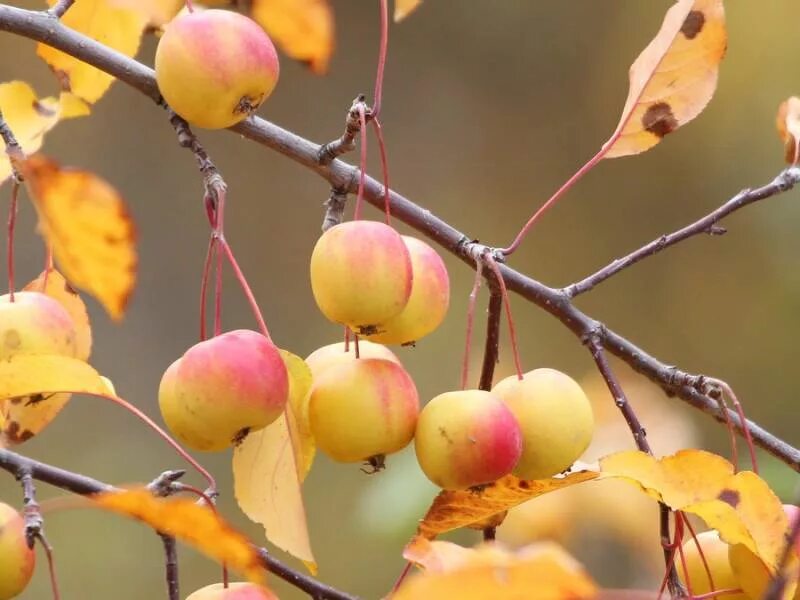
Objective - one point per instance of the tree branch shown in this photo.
(86, 486)
(43, 27)
(171, 566)
(708, 224)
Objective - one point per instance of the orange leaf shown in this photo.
(788, 123)
(543, 571)
(674, 78)
(196, 525)
(86, 222)
(117, 28)
(451, 510)
(741, 506)
(403, 8)
(156, 12)
(267, 472)
(304, 29)
(30, 118)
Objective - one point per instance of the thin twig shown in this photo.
(61, 7)
(86, 486)
(39, 26)
(171, 565)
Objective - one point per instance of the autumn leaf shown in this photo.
(114, 27)
(156, 12)
(453, 509)
(304, 29)
(24, 375)
(788, 124)
(198, 526)
(544, 571)
(300, 380)
(267, 472)
(87, 224)
(30, 117)
(741, 506)
(674, 78)
(403, 8)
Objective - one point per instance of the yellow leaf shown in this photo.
(403, 8)
(674, 78)
(267, 473)
(304, 29)
(156, 12)
(543, 571)
(30, 118)
(299, 397)
(741, 506)
(788, 124)
(198, 526)
(451, 510)
(117, 28)
(23, 375)
(86, 222)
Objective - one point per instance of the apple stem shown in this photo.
(51, 565)
(251, 299)
(218, 296)
(473, 297)
(406, 570)
(346, 338)
(512, 330)
(702, 554)
(12, 222)
(356, 346)
(384, 45)
(48, 264)
(212, 250)
(384, 168)
(554, 199)
(728, 391)
(362, 176)
(190, 6)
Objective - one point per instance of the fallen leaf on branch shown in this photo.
(452, 510)
(87, 224)
(268, 466)
(304, 29)
(543, 571)
(117, 28)
(788, 123)
(196, 525)
(674, 78)
(403, 8)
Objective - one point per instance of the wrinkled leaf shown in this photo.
(117, 28)
(542, 571)
(304, 29)
(451, 510)
(88, 225)
(196, 525)
(674, 78)
(403, 8)
(788, 124)
(267, 474)
(741, 506)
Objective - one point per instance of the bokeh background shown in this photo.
(488, 107)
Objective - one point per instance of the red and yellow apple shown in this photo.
(234, 591)
(17, 560)
(35, 324)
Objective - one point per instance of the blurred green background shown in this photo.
(488, 107)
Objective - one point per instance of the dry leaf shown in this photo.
(267, 473)
(403, 8)
(543, 571)
(86, 222)
(674, 78)
(196, 525)
(117, 28)
(451, 510)
(304, 29)
(788, 123)
(741, 506)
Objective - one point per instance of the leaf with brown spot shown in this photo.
(788, 124)
(741, 506)
(674, 78)
(451, 510)
(198, 526)
(543, 571)
(403, 8)
(304, 29)
(87, 223)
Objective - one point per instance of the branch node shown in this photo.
(352, 127)
(335, 204)
(164, 484)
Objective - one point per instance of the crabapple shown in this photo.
(234, 591)
(17, 560)
(334, 354)
(215, 67)
(223, 388)
(429, 300)
(555, 417)
(361, 274)
(467, 438)
(35, 324)
(695, 576)
(363, 409)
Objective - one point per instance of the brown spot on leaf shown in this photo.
(693, 24)
(69, 289)
(14, 435)
(524, 485)
(659, 119)
(730, 497)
